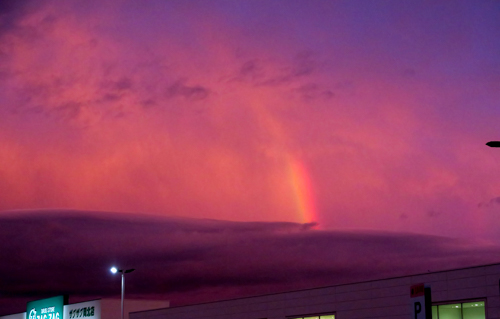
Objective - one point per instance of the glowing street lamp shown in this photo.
(114, 270)
(493, 144)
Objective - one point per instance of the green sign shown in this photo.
(50, 308)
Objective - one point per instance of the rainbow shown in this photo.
(298, 175)
(302, 190)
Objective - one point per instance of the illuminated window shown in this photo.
(473, 310)
(463, 310)
(329, 316)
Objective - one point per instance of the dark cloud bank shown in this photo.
(184, 260)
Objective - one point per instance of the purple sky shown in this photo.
(369, 118)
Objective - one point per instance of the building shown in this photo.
(468, 293)
(98, 309)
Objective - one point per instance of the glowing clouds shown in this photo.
(209, 110)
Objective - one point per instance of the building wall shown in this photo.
(111, 308)
(386, 298)
(21, 315)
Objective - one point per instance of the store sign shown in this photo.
(50, 308)
(83, 310)
(421, 304)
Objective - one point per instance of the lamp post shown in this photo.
(493, 144)
(114, 270)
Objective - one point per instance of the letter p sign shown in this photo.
(420, 302)
(417, 307)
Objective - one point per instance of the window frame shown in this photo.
(461, 302)
(313, 315)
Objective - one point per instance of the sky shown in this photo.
(315, 124)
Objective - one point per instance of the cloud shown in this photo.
(100, 109)
(250, 71)
(304, 64)
(492, 202)
(10, 12)
(274, 72)
(193, 93)
(186, 260)
(433, 213)
(311, 91)
(57, 65)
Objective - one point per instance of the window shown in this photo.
(462, 310)
(473, 310)
(329, 316)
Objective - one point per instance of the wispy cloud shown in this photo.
(193, 93)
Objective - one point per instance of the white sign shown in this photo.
(83, 310)
(418, 306)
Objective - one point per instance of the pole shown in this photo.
(123, 289)
(114, 270)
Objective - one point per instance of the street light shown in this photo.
(114, 270)
(493, 144)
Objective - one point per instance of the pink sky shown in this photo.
(206, 109)
(369, 118)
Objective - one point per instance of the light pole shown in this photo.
(114, 270)
(493, 144)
